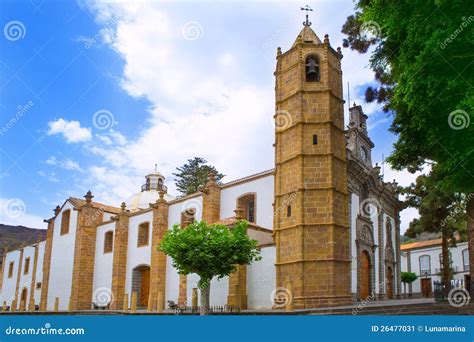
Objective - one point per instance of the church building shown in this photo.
(326, 223)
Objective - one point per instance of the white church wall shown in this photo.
(39, 272)
(137, 256)
(263, 187)
(103, 263)
(218, 293)
(175, 210)
(354, 213)
(261, 280)
(26, 278)
(9, 284)
(62, 261)
(172, 282)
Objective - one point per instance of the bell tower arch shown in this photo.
(311, 219)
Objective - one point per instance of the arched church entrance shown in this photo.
(389, 283)
(364, 275)
(141, 284)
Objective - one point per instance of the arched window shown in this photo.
(247, 204)
(108, 242)
(441, 264)
(312, 70)
(187, 217)
(425, 265)
(465, 259)
(143, 234)
(65, 218)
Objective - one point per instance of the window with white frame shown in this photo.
(465, 259)
(425, 265)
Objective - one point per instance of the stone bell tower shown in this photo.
(311, 205)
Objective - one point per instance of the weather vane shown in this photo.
(307, 9)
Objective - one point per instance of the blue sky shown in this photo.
(93, 94)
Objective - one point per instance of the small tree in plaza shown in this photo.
(407, 278)
(210, 251)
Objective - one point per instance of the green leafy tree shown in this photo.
(421, 54)
(193, 175)
(407, 278)
(209, 251)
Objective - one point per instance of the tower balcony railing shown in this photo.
(154, 186)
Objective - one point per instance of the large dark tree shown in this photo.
(422, 55)
(193, 175)
(440, 211)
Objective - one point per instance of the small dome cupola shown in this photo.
(155, 181)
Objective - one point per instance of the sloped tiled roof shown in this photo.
(420, 244)
(77, 202)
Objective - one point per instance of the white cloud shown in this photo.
(226, 59)
(69, 164)
(70, 130)
(51, 160)
(215, 117)
(14, 211)
(66, 163)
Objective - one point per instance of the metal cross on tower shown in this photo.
(307, 9)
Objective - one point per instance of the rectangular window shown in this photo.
(38, 285)
(315, 139)
(108, 242)
(425, 267)
(27, 266)
(143, 234)
(65, 218)
(465, 258)
(251, 211)
(10, 269)
(288, 211)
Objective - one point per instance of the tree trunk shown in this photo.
(470, 239)
(205, 295)
(446, 272)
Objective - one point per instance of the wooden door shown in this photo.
(467, 282)
(389, 283)
(145, 286)
(364, 275)
(426, 287)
